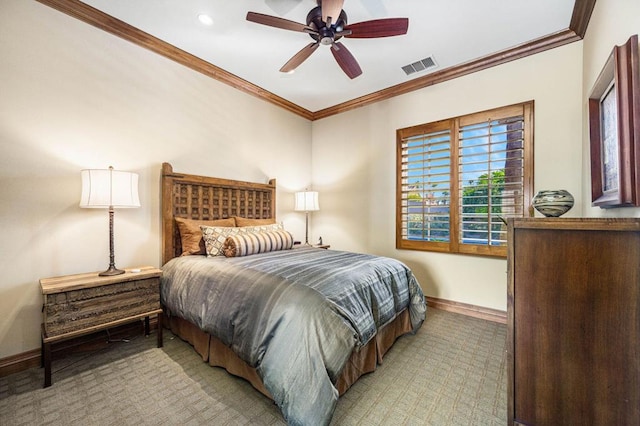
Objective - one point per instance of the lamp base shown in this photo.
(111, 271)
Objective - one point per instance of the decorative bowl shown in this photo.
(553, 203)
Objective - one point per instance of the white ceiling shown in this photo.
(452, 31)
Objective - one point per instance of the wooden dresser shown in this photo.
(573, 322)
(75, 305)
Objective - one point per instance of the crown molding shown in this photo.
(582, 10)
(79, 10)
(530, 48)
(108, 23)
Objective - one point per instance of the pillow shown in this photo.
(191, 234)
(215, 236)
(257, 242)
(243, 221)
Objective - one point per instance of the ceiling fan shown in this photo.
(326, 24)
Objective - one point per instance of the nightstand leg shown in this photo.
(46, 355)
(159, 330)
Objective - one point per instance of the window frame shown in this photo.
(454, 245)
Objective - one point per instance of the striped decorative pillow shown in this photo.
(257, 242)
(215, 236)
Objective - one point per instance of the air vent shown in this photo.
(421, 65)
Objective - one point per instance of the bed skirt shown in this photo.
(217, 354)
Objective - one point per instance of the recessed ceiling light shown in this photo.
(205, 19)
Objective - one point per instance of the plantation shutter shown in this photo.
(490, 175)
(459, 179)
(426, 184)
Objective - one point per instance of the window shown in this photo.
(459, 179)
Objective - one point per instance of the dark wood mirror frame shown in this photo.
(620, 74)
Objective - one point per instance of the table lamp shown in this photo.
(109, 189)
(306, 201)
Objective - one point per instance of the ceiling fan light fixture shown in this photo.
(325, 36)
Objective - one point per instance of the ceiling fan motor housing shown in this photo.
(326, 34)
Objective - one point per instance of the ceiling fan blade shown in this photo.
(346, 60)
(299, 57)
(377, 28)
(274, 21)
(331, 10)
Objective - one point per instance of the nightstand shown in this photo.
(75, 305)
(322, 246)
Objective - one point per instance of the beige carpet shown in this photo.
(452, 372)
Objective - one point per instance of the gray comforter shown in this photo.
(295, 315)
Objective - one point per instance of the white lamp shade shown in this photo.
(307, 201)
(104, 188)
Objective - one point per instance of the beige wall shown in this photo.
(611, 24)
(74, 97)
(354, 164)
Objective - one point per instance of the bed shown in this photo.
(301, 324)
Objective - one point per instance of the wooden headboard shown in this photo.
(208, 198)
